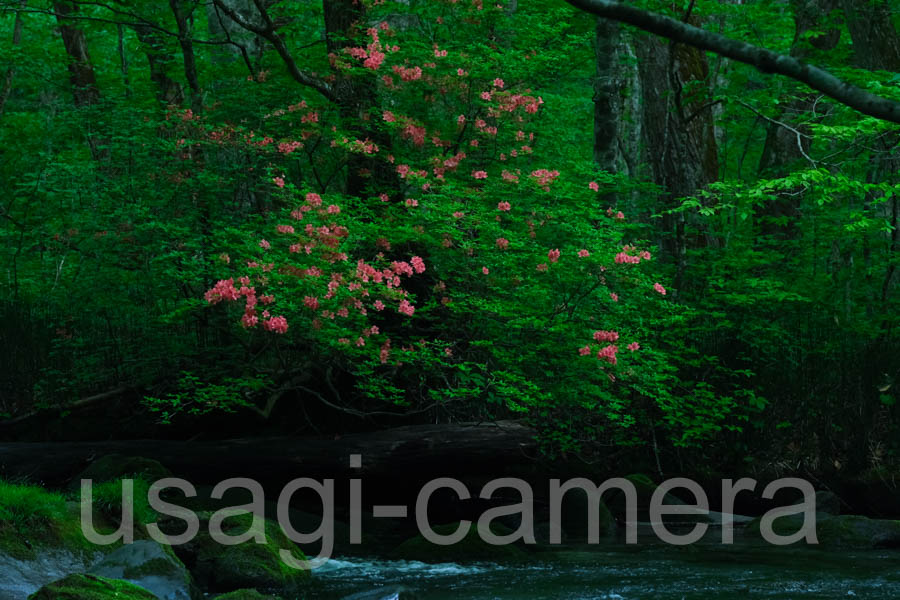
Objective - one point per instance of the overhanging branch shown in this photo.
(765, 60)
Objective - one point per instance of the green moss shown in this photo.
(246, 595)
(107, 501)
(151, 567)
(32, 518)
(246, 565)
(91, 587)
(470, 548)
(839, 531)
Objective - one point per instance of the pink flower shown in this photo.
(485, 95)
(333, 209)
(461, 73)
(417, 264)
(502, 243)
(458, 215)
(249, 319)
(594, 186)
(485, 270)
(379, 305)
(503, 206)
(279, 181)
(620, 216)
(412, 202)
(584, 351)
(658, 288)
(634, 346)
(479, 174)
(311, 302)
(264, 244)
(583, 253)
(388, 116)
(277, 324)
(542, 267)
(383, 197)
(406, 308)
(614, 296)
(223, 290)
(314, 199)
(606, 336)
(498, 83)
(608, 353)
(553, 255)
(285, 229)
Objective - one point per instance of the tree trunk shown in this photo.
(168, 90)
(11, 70)
(403, 453)
(184, 20)
(783, 148)
(678, 134)
(357, 97)
(81, 71)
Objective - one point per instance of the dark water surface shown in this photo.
(657, 573)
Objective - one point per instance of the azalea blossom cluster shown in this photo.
(624, 257)
(309, 258)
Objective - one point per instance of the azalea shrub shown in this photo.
(490, 276)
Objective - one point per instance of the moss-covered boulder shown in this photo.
(827, 503)
(91, 587)
(116, 466)
(470, 548)
(34, 519)
(645, 488)
(149, 565)
(838, 531)
(246, 595)
(575, 517)
(224, 568)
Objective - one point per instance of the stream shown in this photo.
(657, 573)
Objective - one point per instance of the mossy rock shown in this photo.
(224, 568)
(91, 587)
(246, 595)
(575, 516)
(32, 518)
(645, 488)
(150, 565)
(839, 531)
(470, 548)
(116, 466)
(852, 531)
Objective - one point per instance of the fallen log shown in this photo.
(404, 453)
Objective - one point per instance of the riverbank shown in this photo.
(42, 540)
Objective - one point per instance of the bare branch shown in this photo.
(268, 33)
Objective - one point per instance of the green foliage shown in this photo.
(122, 214)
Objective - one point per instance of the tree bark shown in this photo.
(786, 147)
(185, 33)
(11, 70)
(678, 133)
(168, 90)
(81, 72)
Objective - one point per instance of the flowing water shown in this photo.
(656, 573)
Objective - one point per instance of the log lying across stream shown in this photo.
(412, 452)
